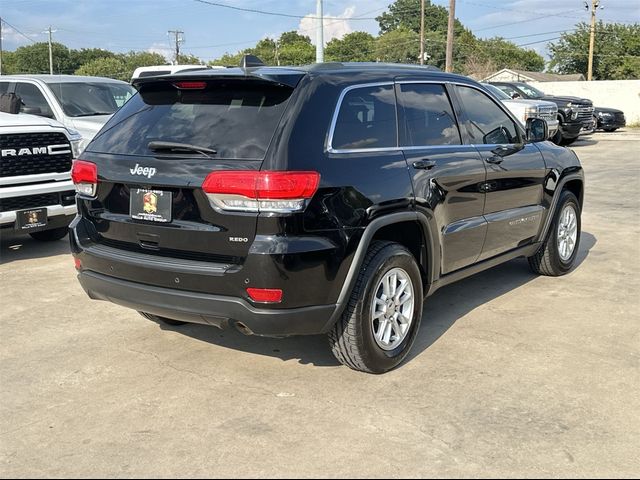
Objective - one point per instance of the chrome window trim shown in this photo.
(399, 148)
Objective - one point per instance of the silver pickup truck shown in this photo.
(36, 192)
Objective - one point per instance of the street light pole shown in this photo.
(422, 32)
(449, 55)
(592, 37)
(319, 33)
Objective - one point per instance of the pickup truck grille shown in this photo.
(35, 201)
(26, 164)
(585, 113)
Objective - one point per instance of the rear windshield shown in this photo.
(237, 119)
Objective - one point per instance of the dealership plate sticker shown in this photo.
(150, 205)
(32, 219)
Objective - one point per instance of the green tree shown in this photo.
(353, 47)
(227, 60)
(288, 38)
(188, 59)
(299, 53)
(505, 54)
(35, 59)
(616, 52)
(111, 67)
(9, 63)
(266, 50)
(399, 46)
(86, 55)
(406, 13)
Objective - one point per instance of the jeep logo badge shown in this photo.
(146, 171)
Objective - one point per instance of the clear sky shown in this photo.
(210, 31)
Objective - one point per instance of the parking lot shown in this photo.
(511, 375)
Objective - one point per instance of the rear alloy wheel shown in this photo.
(558, 253)
(50, 235)
(156, 318)
(382, 318)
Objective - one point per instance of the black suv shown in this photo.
(326, 199)
(575, 114)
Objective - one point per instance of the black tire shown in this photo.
(50, 235)
(568, 141)
(547, 260)
(156, 318)
(352, 337)
(557, 137)
(610, 129)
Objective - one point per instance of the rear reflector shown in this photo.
(85, 177)
(265, 295)
(77, 263)
(190, 85)
(265, 191)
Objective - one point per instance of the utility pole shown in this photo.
(592, 37)
(422, 32)
(178, 40)
(49, 31)
(319, 32)
(0, 45)
(452, 15)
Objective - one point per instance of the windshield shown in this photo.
(530, 91)
(235, 118)
(86, 99)
(496, 91)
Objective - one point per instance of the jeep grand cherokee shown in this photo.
(325, 199)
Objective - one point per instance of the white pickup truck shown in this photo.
(37, 195)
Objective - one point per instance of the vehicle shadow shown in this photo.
(15, 246)
(441, 311)
(583, 142)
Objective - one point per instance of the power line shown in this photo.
(18, 31)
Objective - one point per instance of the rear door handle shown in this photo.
(424, 164)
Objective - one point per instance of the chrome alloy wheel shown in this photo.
(567, 232)
(392, 308)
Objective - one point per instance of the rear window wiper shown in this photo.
(176, 147)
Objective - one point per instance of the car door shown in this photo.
(446, 174)
(515, 172)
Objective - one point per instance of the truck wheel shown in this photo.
(382, 318)
(558, 253)
(50, 235)
(610, 129)
(156, 318)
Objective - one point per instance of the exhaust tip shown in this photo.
(243, 329)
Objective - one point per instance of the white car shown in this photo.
(79, 103)
(524, 109)
(37, 195)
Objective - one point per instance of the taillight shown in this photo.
(85, 177)
(267, 191)
(190, 85)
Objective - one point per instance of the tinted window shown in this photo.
(530, 91)
(83, 99)
(235, 119)
(508, 90)
(367, 119)
(426, 116)
(4, 87)
(33, 100)
(487, 123)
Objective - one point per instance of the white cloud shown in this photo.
(337, 26)
(163, 49)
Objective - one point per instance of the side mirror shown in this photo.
(515, 95)
(537, 130)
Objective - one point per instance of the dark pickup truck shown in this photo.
(575, 114)
(328, 199)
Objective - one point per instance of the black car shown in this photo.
(609, 119)
(324, 199)
(575, 114)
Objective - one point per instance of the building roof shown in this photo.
(524, 75)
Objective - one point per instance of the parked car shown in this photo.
(526, 109)
(156, 70)
(609, 119)
(323, 199)
(79, 103)
(37, 195)
(574, 114)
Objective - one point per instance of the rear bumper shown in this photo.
(216, 310)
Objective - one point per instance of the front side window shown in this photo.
(33, 100)
(426, 116)
(488, 123)
(367, 119)
(87, 99)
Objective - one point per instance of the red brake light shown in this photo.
(261, 191)
(85, 177)
(265, 295)
(190, 85)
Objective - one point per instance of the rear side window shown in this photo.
(366, 119)
(426, 116)
(488, 123)
(4, 87)
(237, 119)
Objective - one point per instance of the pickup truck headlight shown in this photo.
(77, 142)
(530, 112)
(574, 114)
